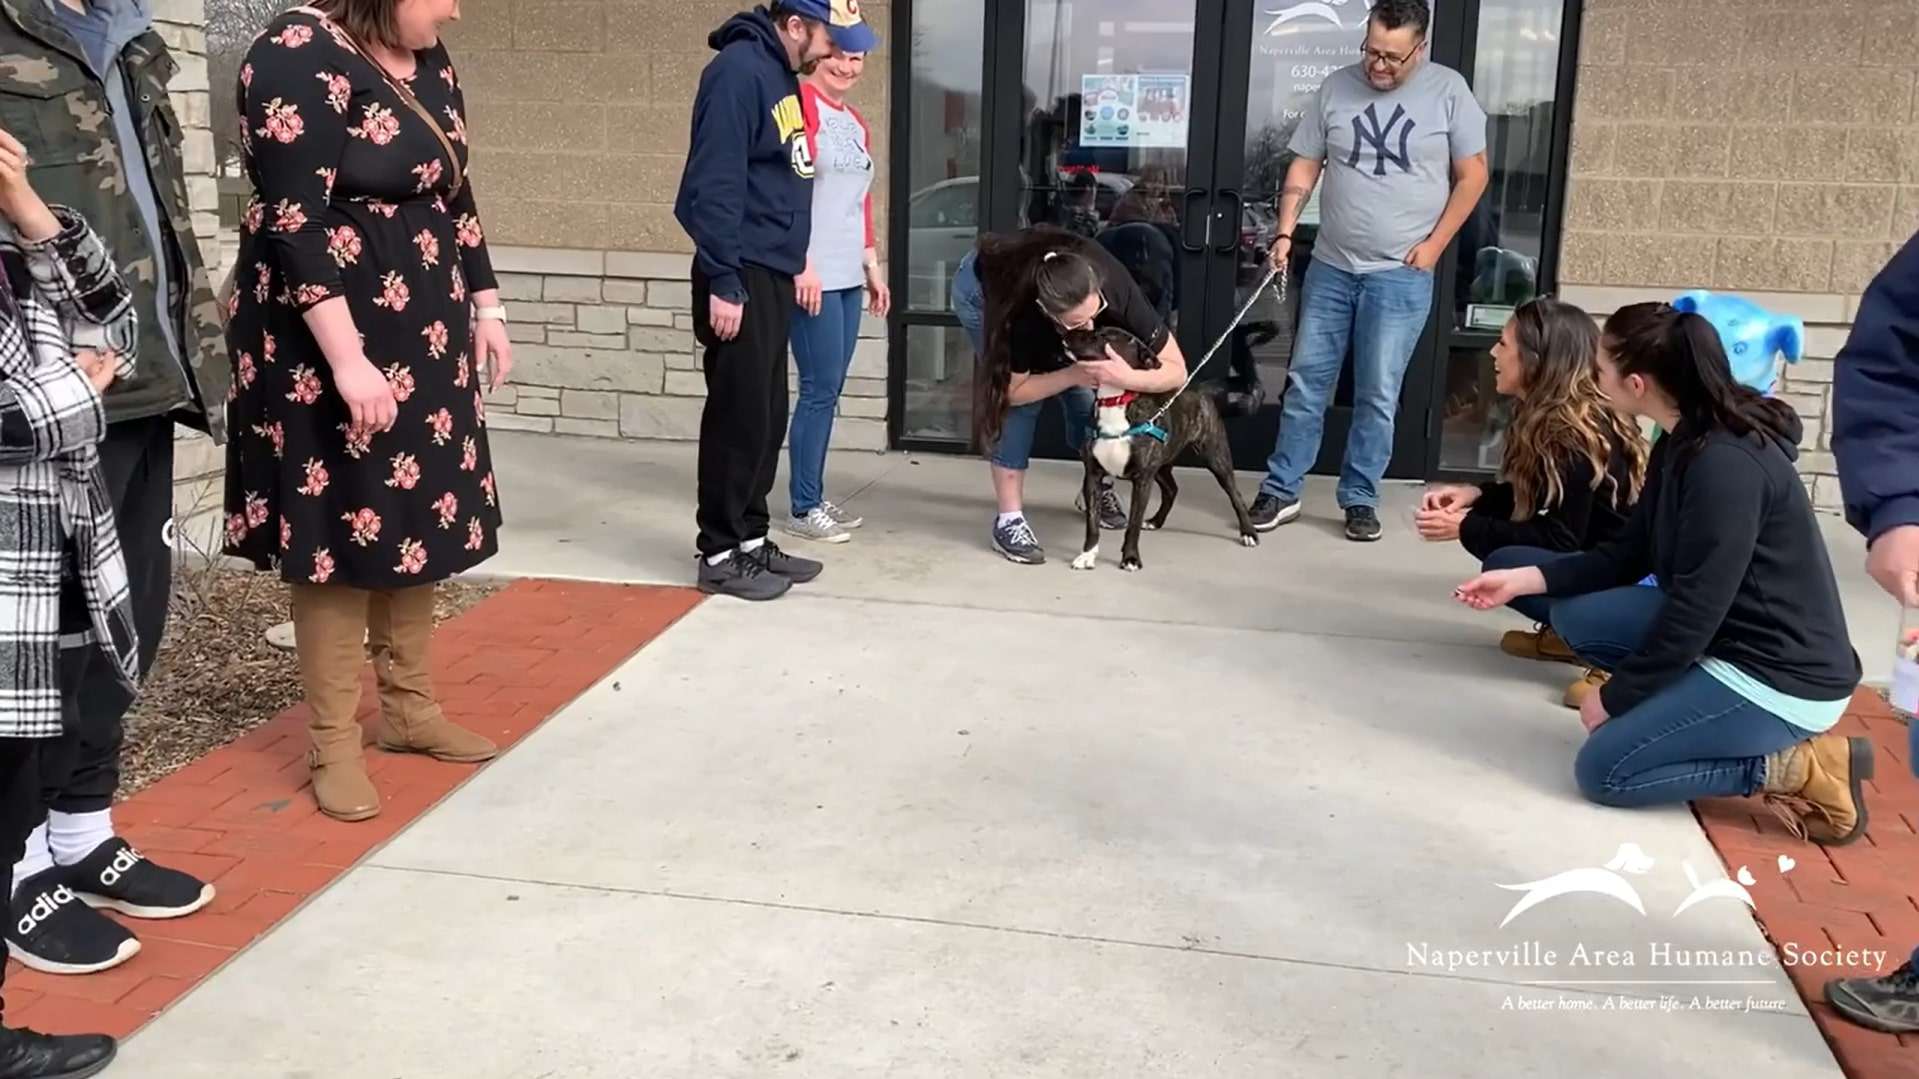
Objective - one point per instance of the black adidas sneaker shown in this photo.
(118, 877)
(53, 931)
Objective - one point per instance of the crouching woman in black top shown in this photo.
(1728, 678)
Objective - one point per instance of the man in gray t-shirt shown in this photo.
(1401, 144)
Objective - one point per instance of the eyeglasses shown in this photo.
(1387, 59)
(1090, 319)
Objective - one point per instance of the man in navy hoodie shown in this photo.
(746, 199)
(1875, 438)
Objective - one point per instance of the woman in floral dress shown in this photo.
(363, 325)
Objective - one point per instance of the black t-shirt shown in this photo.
(1036, 344)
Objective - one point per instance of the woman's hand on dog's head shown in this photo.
(1110, 371)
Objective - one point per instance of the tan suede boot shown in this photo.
(1541, 644)
(1588, 683)
(1816, 787)
(399, 627)
(329, 624)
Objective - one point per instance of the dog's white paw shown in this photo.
(1249, 539)
(1130, 564)
(1086, 559)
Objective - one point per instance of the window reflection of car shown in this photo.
(942, 221)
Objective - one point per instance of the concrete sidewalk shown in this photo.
(1244, 813)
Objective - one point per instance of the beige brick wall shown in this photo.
(180, 23)
(198, 463)
(1761, 147)
(604, 347)
(579, 111)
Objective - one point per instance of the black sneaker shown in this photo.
(118, 877)
(54, 932)
(1890, 1003)
(1271, 511)
(29, 1054)
(742, 577)
(780, 564)
(1016, 541)
(1362, 524)
(1112, 515)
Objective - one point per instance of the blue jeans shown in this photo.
(823, 350)
(1381, 315)
(1693, 739)
(1014, 449)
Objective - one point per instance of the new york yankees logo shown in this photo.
(1368, 132)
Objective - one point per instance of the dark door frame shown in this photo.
(1417, 446)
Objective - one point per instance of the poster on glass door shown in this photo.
(1138, 111)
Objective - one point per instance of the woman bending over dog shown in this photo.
(1572, 471)
(1727, 678)
(1016, 295)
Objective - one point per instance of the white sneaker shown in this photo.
(818, 527)
(843, 517)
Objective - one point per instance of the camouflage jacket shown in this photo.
(51, 100)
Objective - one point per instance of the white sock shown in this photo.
(753, 544)
(38, 858)
(1008, 518)
(72, 836)
(714, 560)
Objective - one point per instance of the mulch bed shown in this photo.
(216, 677)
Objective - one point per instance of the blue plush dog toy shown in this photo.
(1753, 336)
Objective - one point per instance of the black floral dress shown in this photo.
(352, 197)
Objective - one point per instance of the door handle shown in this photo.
(1186, 222)
(1230, 244)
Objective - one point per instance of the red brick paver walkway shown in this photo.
(1855, 897)
(242, 818)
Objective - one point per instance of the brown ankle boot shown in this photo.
(1588, 683)
(1816, 787)
(329, 624)
(1541, 644)
(400, 625)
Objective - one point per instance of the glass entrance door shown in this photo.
(1278, 54)
(1161, 131)
(1115, 144)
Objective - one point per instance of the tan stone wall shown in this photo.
(580, 109)
(1762, 147)
(579, 112)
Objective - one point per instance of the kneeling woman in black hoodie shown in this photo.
(1728, 678)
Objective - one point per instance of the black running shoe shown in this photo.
(1270, 511)
(1890, 1003)
(780, 564)
(29, 1054)
(1362, 524)
(118, 877)
(741, 577)
(54, 932)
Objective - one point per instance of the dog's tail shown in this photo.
(1235, 395)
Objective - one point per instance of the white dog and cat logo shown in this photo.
(1646, 977)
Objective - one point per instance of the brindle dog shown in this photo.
(1193, 422)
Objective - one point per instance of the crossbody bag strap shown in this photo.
(400, 88)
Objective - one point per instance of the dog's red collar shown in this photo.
(1120, 401)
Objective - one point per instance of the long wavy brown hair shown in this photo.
(1044, 265)
(1561, 415)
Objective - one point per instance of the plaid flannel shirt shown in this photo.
(54, 509)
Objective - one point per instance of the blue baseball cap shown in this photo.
(849, 32)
